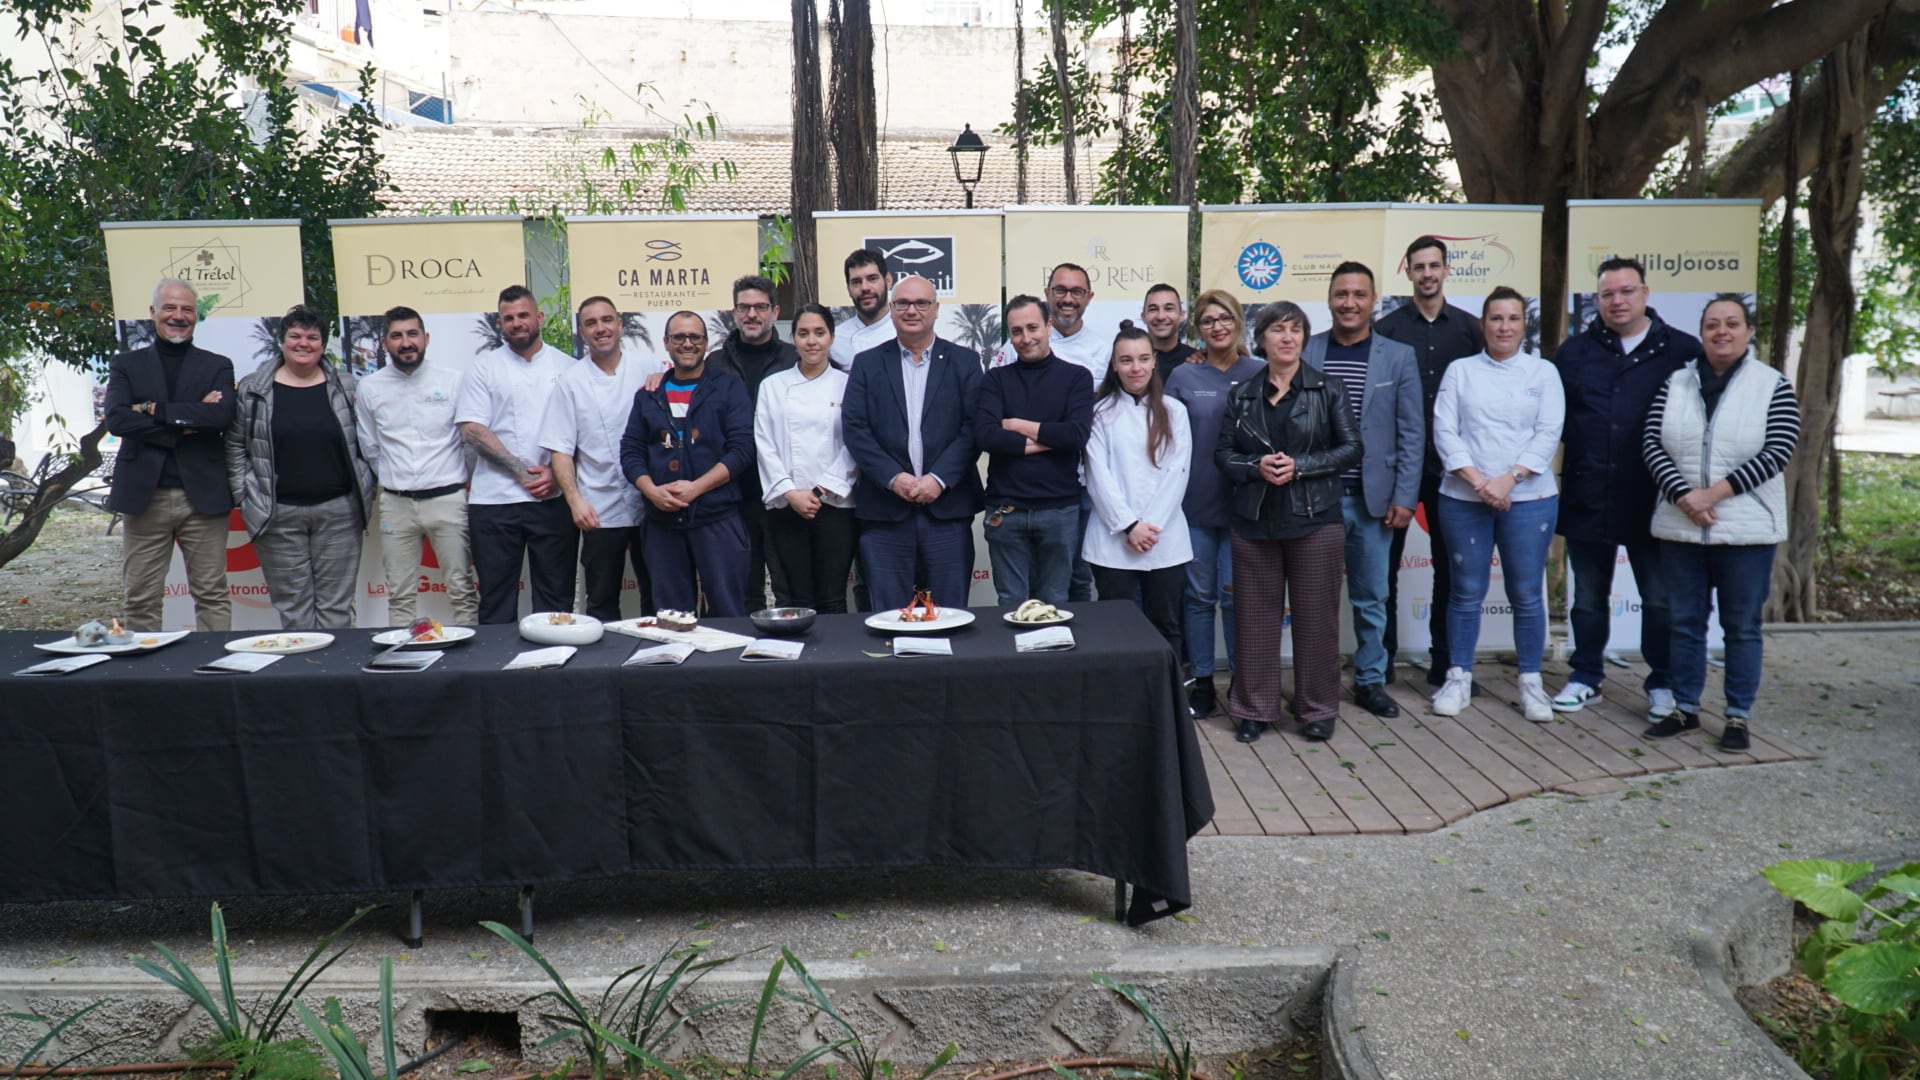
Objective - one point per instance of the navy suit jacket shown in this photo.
(193, 430)
(874, 424)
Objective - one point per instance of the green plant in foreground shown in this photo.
(339, 1042)
(1867, 957)
(1170, 1062)
(53, 1032)
(867, 1064)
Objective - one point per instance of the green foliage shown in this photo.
(1171, 1062)
(776, 248)
(867, 1064)
(1293, 103)
(1867, 955)
(1888, 323)
(333, 1035)
(54, 1030)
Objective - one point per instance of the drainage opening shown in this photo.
(482, 1033)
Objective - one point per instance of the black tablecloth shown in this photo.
(139, 778)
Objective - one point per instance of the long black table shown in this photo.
(138, 778)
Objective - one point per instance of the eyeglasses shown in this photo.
(752, 309)
(1213, 321)
(1064, 293)
(921, 306)
(682, 339)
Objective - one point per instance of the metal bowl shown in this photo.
(783, 621)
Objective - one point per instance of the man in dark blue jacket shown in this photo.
(688, 446)
(1611, 374)
(1032, 419)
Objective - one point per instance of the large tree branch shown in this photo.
(1563, 86)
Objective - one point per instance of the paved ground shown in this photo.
(1544, 938)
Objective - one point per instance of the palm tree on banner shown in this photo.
(266, 339)
(487, 329)
(360, 342)
(633, 327)
(979, 327)
(719, 325)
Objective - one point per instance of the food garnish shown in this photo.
(922, 608)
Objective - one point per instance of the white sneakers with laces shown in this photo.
(1452, 697)
(1533, 699)
(1660, 704)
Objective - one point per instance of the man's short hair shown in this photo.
(1026, 300)
(755, 282)
(694, 315)
(1161, 287)
(1618, 262)
(515, 293)
(302, 317)
(864, 257)
(168, 282)
(1423, 244)
(595, 300)
(1352, 267)
(403, 313)
(1076, 267)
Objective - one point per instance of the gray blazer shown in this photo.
(1393, 422)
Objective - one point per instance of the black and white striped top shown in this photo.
(1783, 434)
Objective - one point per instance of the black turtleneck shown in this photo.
(172, 358)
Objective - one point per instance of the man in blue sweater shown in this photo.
(1032, 420)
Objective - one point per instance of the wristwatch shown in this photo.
(1517, 474)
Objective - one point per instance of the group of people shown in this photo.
(1234, 484)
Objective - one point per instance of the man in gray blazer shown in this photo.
(1383, 389)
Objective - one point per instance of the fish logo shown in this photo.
(929, 257)
(663, 250)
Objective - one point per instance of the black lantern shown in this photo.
(969, 156)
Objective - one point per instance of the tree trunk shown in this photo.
(809, 182)
(855, 131)
(1058, 14)
(1019, 102)
(1183, 134)
(1833, 212)
(1123, 75)
(1783, 273)
(51, 493)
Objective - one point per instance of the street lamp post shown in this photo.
(969, 156)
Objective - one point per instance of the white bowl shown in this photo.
(539, 629)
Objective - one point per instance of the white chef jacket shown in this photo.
(586, 416)
(797, 437)
(406, 429)
(853, 337)
(1127, 487)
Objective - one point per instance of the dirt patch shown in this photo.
(71, 574)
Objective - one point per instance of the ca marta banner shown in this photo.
(247, 274)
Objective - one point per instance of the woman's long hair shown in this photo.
(1159, 425)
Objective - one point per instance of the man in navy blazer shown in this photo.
(908, 420)
(1383, 389)
(170, 403)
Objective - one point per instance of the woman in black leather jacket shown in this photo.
(1285, 440)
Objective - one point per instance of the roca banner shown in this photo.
(247, 274)
(1125, 251)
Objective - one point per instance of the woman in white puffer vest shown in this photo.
(1718, 438)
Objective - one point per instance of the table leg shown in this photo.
(414, 939)
(1119, 901)
(526, 912)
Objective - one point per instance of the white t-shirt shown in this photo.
(853, 337)
(1084, 348)
(509, 395)
(1628, 344)
(586, 416)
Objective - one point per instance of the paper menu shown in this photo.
(552, 656)
(915, 645)
(773, 649)
(1049, 639)
(239, 663)
(649, 656)
(64, 665)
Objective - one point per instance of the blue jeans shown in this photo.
(918, 551)
(1209, 584)
(1737, 576)
(1081, 587)
(1368, 543)
(1592, 616)
(1522, 535)
(1032, 553)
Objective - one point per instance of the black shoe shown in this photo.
(1321, 730)
(1678, 722)
(1437, 674)
(1734, 739)
(1201, 700)
(1373, 698)
(1249, 730)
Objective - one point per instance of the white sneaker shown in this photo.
(1660, 704)
(1453, 697)
(1533, 699)
(1575, 697)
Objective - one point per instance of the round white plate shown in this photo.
(450, 635)
(282, 644)
(950, 619)
(1060, 615)
(583, 630)
(141, 643)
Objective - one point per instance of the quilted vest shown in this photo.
(1706, 451)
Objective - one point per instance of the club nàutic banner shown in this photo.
(1125, 251)
(1265, 253)
(247, 274)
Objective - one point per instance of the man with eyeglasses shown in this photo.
(1164, 316)
(871, 324)
(907, 416)
(1611, 374)
(751, 351)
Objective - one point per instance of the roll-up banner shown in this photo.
(247, 274)
(1693, 250)
(959, 253)
(1265, 253)
(1125, 251)
(450, 270)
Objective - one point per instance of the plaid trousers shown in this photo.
(1272, 580)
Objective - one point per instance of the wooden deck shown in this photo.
(1419, 771)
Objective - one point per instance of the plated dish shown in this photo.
(440, 637)
(944, 619)
(561, 628)
(1035, 613)
(71, 646)
(281, 644)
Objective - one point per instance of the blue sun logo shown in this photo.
(1260, 265)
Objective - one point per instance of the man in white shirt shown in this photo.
(515, 510)
(404, 419)
(585, 419)
(868, 286)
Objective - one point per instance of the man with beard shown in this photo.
(1438, 333)
(586, 417)
(1165, 316)
(868, 284)
(515, 510)
(751, 352)
(688, 448)
(404, 417)
(170, 403)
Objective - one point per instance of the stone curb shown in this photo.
(1838, 627)
(1343, 1049)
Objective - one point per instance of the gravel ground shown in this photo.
(71, 574)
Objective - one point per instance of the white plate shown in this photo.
(69, 647)
(583, 630)
(950, 619)
(450, 635)
(1061, 615)
(282, 644)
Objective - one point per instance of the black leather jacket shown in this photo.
(1320, 438)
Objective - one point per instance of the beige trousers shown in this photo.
(147, 551)
(443, 521)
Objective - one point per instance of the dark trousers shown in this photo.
(604, 554)
(1442, 580)
(809, 560)
(502, 535)
(760, 567)
(1161, 594)
(921, 551)
(1292, 584)
(1592, 563)
(709, 559)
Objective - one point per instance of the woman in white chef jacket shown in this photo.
(1137, 461)
(806, 471)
